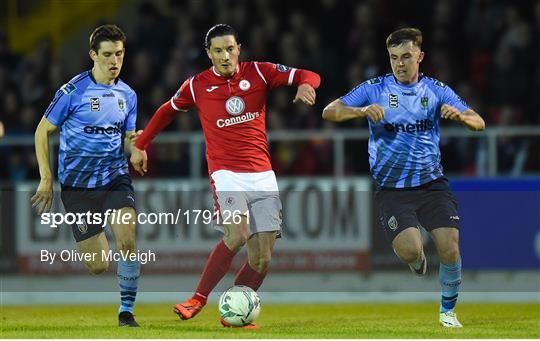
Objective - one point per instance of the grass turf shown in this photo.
(370, 320)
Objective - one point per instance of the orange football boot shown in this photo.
(188, 309)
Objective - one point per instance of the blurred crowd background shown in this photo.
(484, 49)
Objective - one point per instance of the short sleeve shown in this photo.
(449, 97)
(357, 97)
(59, 109)
(131, 120)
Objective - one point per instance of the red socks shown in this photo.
(216, 267)
(249, 277)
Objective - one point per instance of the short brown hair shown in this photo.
(403, 35)
(106, 33)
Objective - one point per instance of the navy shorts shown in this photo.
(115, 195)
(431, 206)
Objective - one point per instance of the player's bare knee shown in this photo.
(235, 241)
(97, 267)
(236, 236)
(240, 240)
(409, 253)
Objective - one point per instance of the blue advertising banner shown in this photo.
(500, 222)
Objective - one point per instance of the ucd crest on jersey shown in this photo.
(424, 102)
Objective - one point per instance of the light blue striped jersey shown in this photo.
(404, 146)
(92, 118)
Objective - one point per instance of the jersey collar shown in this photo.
(420, 76)
(221, 76)
(95, 82)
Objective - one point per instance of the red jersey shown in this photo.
(232, 111)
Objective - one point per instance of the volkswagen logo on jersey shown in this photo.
(235, 106)
(244, 85)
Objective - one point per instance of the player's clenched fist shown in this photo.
(450, 113)
(306, 94)
(139, 160)
(373, 111)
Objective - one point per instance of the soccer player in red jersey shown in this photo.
(231, 101)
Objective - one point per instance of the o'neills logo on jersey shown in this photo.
(418, 127)
(249, 116)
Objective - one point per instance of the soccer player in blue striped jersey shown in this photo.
(96, 114)
(403, 110)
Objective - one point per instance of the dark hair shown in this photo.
(219, 30)
(403, 35)
(106, 33)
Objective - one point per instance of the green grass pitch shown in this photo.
(369, 320)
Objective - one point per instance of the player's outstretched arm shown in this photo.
(161, 118)
(337, 111)
(42, 199)
(469, 117)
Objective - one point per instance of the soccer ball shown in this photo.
(239, 306)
